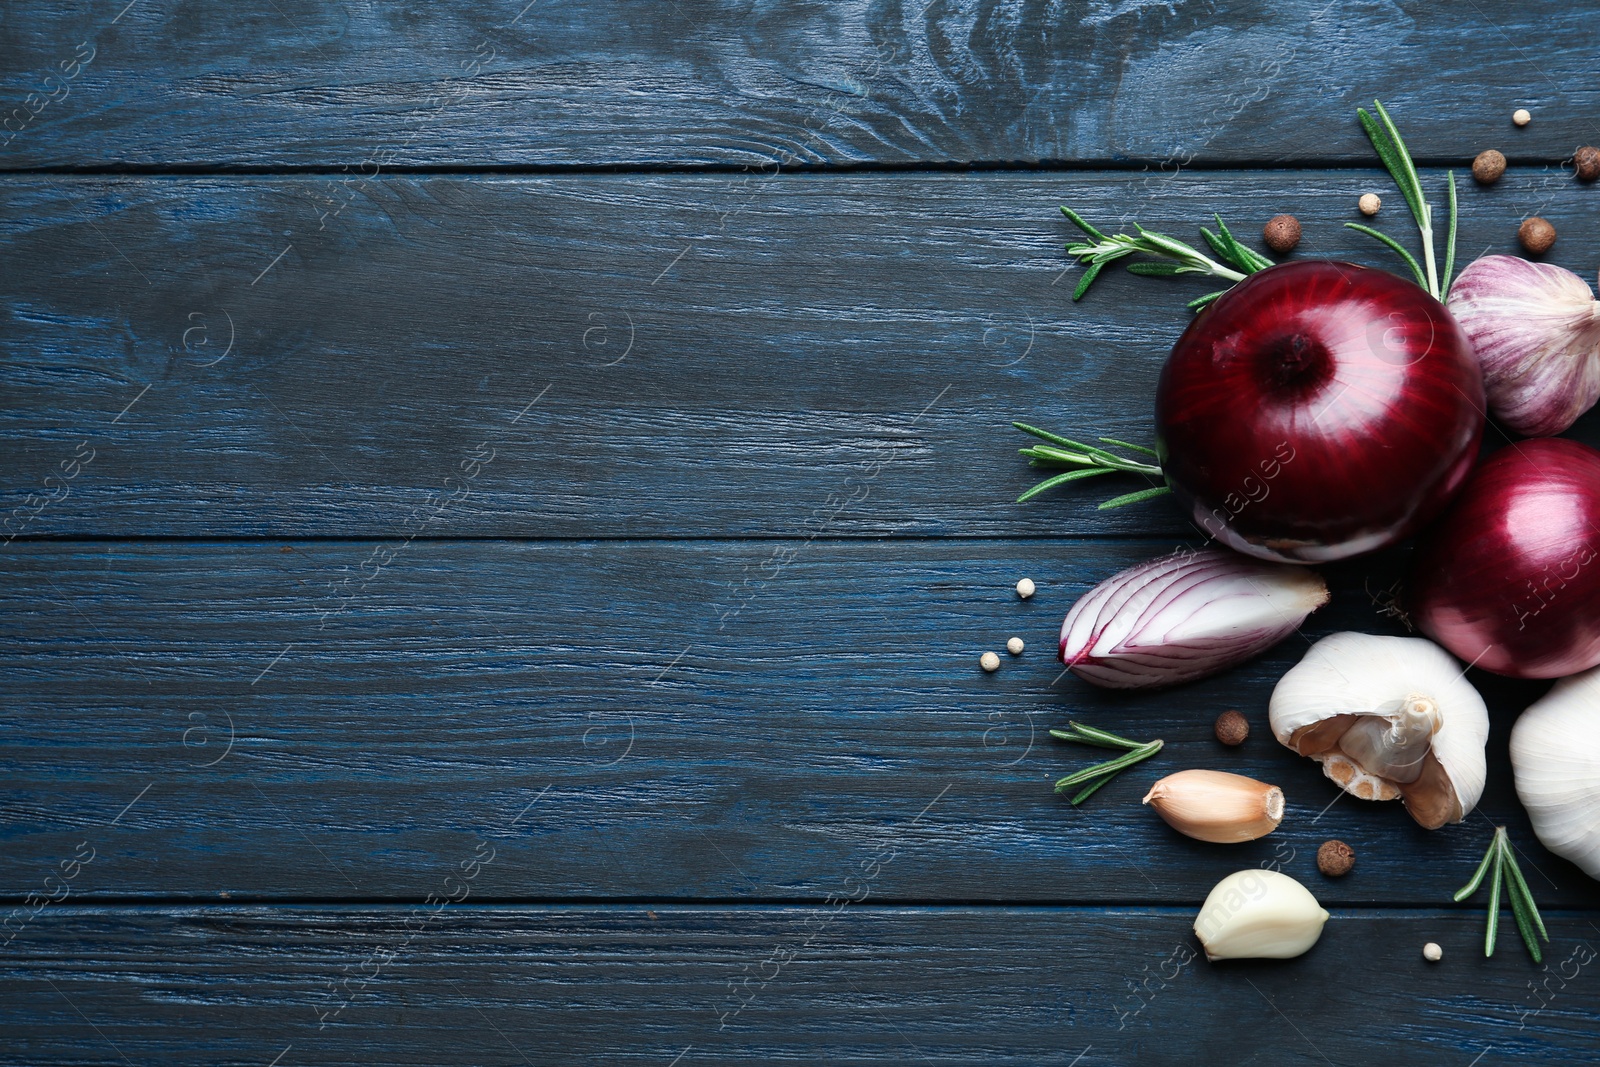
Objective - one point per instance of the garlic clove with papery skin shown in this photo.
(1536, 331)
(1389, 718)
(1259, 914)
(1555, 760)
(1217, 806)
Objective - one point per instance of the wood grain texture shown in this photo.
(721, 358)
(670, 720)
(863, 984)
(736, 83)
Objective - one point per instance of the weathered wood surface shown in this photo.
(721, 358)
(851, 983)
(700, 720)
(301, 83)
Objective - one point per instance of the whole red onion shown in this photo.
(1508, 578)
(1318, 410)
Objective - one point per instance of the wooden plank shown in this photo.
(720, 360)
(697, 985)
(637, 720)
(297, 83)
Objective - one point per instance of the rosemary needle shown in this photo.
(1092, 778)
(1500, 863)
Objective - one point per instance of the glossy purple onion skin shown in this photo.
(1319, 410)
(1509, 578)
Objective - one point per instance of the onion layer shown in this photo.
(1185, 616)
(1318, 410)
(1509, 579)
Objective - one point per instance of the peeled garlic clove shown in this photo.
(1555, 759)
(1536, 330)
(1185, 616)
(1259, 914)
(1389, 718)
(1217, 806)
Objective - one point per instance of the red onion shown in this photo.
(1185, 616)
(1509, 577)
(1318, 410)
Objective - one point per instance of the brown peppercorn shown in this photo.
(1536, 235)
(1335, 858)
(1487, 168)
(1586, 161)
(1369, 204)
(1282, 233)
(1232, 728)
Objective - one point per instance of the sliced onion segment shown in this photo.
(1185, 616)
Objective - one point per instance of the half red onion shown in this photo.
(1185, 616)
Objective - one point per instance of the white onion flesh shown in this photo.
(1185, 616)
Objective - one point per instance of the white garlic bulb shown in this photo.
(1259, 914)
(1555, 758)
(1389, 718)
(1536, 331)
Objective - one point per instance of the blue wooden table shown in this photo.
(504, 502)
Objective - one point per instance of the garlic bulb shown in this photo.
(1259, 914)
(1217, 806)
(1536, 330)
(1388, 717)
(1185, 616)
(1555, 758)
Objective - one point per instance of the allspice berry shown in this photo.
(1232, 728)
(1282, 233)
(1586, 161)
(1536, 235)
(1335, 858)
(1369, 203)
(1487, 168)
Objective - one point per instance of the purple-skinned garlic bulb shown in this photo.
(1536, 331)
(1184, 616)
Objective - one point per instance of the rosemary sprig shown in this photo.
(1092, 778)
(1237, 261)
(1391, 149)
(1087, 461)
(1500, 864)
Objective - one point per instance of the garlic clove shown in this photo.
(1259, 914)
(1389, 718)
(1217, 806)
(1536, 331)
(1555, 761)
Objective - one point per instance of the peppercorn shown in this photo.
(1432, 952)
(1232, 728)
(1335, 858)
(1586, 161)
(1488, 167)
(1521, 116)
(1015, 646)
(1536, 235)
(1282, 233)
(1025, 588)
(989, 661)
(1369, 203)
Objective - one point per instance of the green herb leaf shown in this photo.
(1093, 778)
(1155, 270)
(1416, 268)
(1450, 242)
(1494, 901)
(1135, 498)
